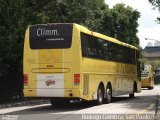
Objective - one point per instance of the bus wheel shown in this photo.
(150, 88)
(108, 95)
(134, 90)
(100, 95)
(131, 95)
(59, 102)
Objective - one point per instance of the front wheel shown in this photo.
(131, 95)
(108, 95)
(134, 90)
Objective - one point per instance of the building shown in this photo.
(152, 53)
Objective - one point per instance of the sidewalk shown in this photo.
(23, 103)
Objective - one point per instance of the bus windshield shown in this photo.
(50, 36)
(145, 72)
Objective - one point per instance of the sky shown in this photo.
(148, 27)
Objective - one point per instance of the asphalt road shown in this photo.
(144, 106)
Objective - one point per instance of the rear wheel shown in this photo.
(108, 94)
(100, 96)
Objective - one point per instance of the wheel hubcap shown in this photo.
(108, 94)
(100, 95)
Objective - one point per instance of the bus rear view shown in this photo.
(64, 62)
(49, 51)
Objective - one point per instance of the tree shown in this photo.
(15, 15)
(86, 12)
(156, 4)
(122, 22)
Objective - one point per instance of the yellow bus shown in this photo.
(147, 77)
(66, 62)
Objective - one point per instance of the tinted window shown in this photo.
(50, 36)
(95, 47)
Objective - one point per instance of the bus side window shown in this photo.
(91, 53)
(86, 51)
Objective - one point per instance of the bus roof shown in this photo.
(86, 30)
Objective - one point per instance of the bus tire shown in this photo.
(108, 98)
(150, 88)
(59, 102)
(134, 90)
(100, 95)
(131, 95)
